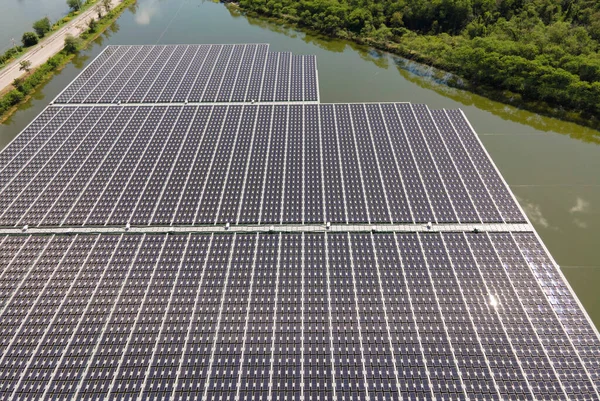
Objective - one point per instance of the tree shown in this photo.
(107, 5)
(29, 39)
(74, 5)
(99, 10)
(25, 65)
(71, 44)
(42, 27)
(92, 24)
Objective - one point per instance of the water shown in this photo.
(552, 166)
(19, 15)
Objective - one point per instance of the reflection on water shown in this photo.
(146, 10)
(428, 78)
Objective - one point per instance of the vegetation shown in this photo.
(10, 54)
(98, 10)
(16, 51)
(74, 5)
(24, 87)
(71, 44)
(530, 51)
(29, 39)
(92, 25)
(25, 65)
(42, 27)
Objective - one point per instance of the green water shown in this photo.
(551, 166)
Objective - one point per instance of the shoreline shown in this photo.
(43, 73)
(455, 81)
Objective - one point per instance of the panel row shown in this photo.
(194, 73)
(290, 317)
(164, 165)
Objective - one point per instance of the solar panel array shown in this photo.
(194, 73)
(286, 316)
(277, 304)
(201, 164)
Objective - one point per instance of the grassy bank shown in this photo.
(17, 51)
(25, 87)
(544, 63)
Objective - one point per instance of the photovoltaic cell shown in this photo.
(379, 314)
(300, 311)
(252, 163)
(194, 73)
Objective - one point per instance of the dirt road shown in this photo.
(47, 48)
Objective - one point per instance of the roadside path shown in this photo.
(41, 52)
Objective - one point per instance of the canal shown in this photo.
(551, 166)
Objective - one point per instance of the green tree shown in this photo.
(74, 5)
(29, 39)
(42, 27)
(71, 44)
(25, 65)
(92, 24)
(107, 4)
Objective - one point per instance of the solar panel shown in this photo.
(241, 73)
(220, 235)
(249, 163)
(355, 315)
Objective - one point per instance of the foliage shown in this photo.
(10, 54)
(107, 5)
(25, 65)
(92, 24)
(29, 39)
(71, 44)
(539, 50)
(74, 5)
(25, 86)
(42, 27)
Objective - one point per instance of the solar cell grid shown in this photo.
(428, 170)
(90, 70)
(94, 80)
(116, 85)
(453, 183)
(64, 201)
(165, 75)
(28, 135)
(94, 95)
(237, 167)
(237, 307)
(300, 310)
(32, 204)
(162, 169)
(194, 73)
(477, 188)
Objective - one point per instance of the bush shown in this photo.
(71, 44)
(42, 27)
(92, 24)
(74, 5)
(25, 65)
(29, 39)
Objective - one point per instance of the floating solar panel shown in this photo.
(188, 222)
(334, 316)
(194, 73)
(358, 163)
